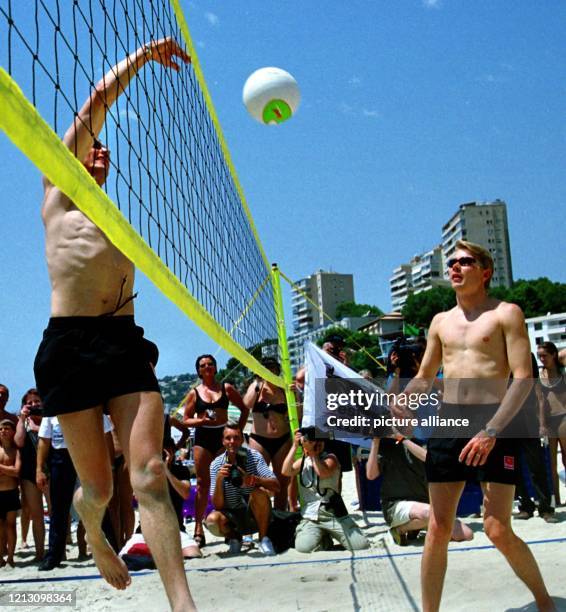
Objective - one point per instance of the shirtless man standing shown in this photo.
(483, 340)
(93, 357)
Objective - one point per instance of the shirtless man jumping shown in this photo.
(93, 357)
(480, 342)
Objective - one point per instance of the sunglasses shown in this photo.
(206, 365)
(463, 261)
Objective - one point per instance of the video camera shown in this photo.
(312, 434)
(409, 352)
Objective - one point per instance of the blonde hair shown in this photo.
(482, 255)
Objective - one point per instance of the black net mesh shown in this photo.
(168, 173)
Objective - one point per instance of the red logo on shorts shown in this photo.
(509, 463)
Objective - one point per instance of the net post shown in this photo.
(284, 349)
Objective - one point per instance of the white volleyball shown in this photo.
(271, 95)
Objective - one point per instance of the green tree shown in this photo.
(536, 297)
(420, 308)
(351, 309)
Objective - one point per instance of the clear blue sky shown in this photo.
(409, 108)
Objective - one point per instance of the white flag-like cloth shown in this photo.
(317, 364)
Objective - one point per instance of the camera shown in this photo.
(35, 412)
(308, 433)
(235, 477)
(409, 352)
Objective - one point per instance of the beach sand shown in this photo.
(384, 577)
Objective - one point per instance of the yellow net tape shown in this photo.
(25, 127)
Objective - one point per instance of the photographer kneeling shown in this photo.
(324, 515)
(241, 485)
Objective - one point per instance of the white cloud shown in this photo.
(488, 77)
(433, 4)
(131, 117)
(346, 108)
(211, 18)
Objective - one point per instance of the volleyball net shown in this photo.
(172, 202)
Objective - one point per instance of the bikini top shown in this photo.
(557, 387)
(220, 404)
(261, 407)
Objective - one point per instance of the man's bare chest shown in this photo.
(482, 334)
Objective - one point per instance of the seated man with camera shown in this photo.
(324, 515)
(241, 485)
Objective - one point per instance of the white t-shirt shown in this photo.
(51, 430)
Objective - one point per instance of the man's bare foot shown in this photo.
(10, 562)
(110, 566)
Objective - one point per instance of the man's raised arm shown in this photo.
(91, 117)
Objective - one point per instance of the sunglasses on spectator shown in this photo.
(463, 261)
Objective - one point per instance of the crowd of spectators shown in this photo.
(246, 483)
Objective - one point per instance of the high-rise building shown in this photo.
(327, 290)
(484, 223)
(421, 273)
(550, 327)
(400, 286)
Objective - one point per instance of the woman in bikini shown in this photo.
(270, 433)
(206, 409)
(27, 438)
(553, 423)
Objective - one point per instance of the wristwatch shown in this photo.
(491, 432)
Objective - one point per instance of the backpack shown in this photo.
(282, 529)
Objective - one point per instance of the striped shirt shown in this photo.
(237, 497)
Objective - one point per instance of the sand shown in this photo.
(385, 577)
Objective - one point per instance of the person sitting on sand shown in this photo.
(9, 495)
(179, 483)
(404, 489)
(241, 486)
(324, 514)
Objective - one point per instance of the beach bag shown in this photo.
(136, 554)
(282, 529)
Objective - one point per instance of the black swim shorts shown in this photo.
(83, 362)
(442, 464)
(9, 502)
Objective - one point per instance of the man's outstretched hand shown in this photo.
(163, 51)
